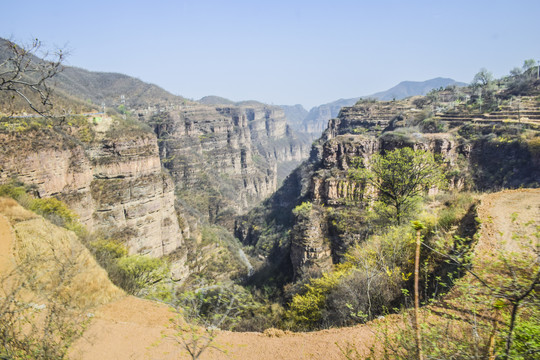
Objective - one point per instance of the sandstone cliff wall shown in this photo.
(480, 155)
(115, 185)
(229, 154)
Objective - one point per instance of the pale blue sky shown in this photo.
(283, 52)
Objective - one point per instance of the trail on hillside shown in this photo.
(132, 328)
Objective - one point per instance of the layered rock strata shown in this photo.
(476, 155)
(233, 154)
(116, 186)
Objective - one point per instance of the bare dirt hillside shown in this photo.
(132, 328)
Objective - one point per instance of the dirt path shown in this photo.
(504, 215)
(132, 328)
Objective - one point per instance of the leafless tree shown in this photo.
(26, 73)
(200, 316)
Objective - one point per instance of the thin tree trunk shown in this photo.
(490, 352)
(515, 305)
(511, 329)
(416, 298)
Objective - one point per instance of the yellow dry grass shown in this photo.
(13, 211)
(53, 258)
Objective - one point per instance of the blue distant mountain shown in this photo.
(314, 122)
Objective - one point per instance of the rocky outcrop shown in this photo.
(310, 247)
(295, 115)
(115, 185)
(312, 124)
(479, 155)
(230, 155)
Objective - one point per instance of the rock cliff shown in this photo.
(479, 154)
(314, 122)
(224, 159)
(114, 184)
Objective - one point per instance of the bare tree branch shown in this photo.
(27, 73)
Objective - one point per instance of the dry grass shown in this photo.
(57, 256)
(13, 211)
(58, 250)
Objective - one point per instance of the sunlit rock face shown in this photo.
(234, 154)
(115, 186)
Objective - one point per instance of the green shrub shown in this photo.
(108, 249)
(58, 213)
(364, 286)
(306, 309)
(456, 205)
(50, 207)
(219, 305)
(138, 275)
(13, 191)
(303, 210)
(144, 276)
(526, 339)
(448, 218)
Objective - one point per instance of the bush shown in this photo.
(144, 276)
(138, 275)
(431, 125)
(108, 250)
(13, 191)
(303, 210)
(361, 296)
(220, 306)
(367, 284)
(58, 213)
(52, 209)
(306, 309)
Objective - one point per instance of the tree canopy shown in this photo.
(400, 176)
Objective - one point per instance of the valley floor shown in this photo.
(132, 328)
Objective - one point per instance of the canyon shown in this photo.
(320, 209)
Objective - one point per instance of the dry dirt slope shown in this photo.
(131, 328)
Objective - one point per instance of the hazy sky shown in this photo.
(283, 52)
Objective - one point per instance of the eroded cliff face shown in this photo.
(476, 154)
(225, 159)
(310, 246)
(115, 185)
(313, 123)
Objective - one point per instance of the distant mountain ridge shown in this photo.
(316, 120)
(218, 100)
(112, 88)
(411, 88)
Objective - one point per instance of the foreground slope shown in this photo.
(132, 328)
(26, 238)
